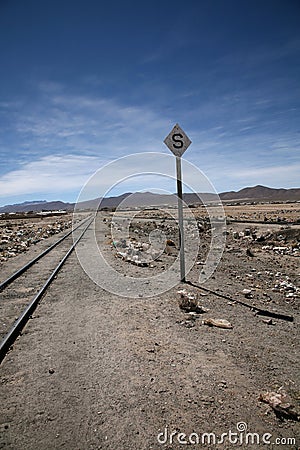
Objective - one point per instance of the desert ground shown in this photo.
(212, 365)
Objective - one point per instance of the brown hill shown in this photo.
(37, 206)
(262, 193)
(255, 193)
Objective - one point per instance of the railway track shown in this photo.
(21, 292)
(229, 221)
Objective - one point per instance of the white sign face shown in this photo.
(177, 141)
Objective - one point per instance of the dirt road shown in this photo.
(96, 371)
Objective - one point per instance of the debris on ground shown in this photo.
(268, 321)
(137, 253)
(170, 243)
(189, 302)
(249, 253)
(15, 239)
(220, 323)
(283, 242)
(281, 404)
(285, 285)
(247, 293)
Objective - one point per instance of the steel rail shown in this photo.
(262, 222)
(23, 269)
(15, 330)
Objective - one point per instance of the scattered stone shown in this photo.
(220, 323)
(189, 324)
(285, 285)
(268, 321)
(281, 404)
(16, 239)
(170, 243)
(136, 252)
(189, 302)
(247, 293)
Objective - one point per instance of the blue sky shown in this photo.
(83, 83)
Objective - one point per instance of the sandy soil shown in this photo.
(96, 371)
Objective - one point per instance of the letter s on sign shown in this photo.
(178, 142)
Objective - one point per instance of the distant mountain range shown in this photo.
(256, 193)
(262, 193)
(37, 206)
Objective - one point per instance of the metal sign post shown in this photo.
(177, 141)
(180, 218)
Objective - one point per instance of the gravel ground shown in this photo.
(93, 370)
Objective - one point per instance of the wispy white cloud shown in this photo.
(64, 176)
(57, 142)
(270, 174)
(86, 124)
(58, 174)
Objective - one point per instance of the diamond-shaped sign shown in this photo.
(177, 141)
